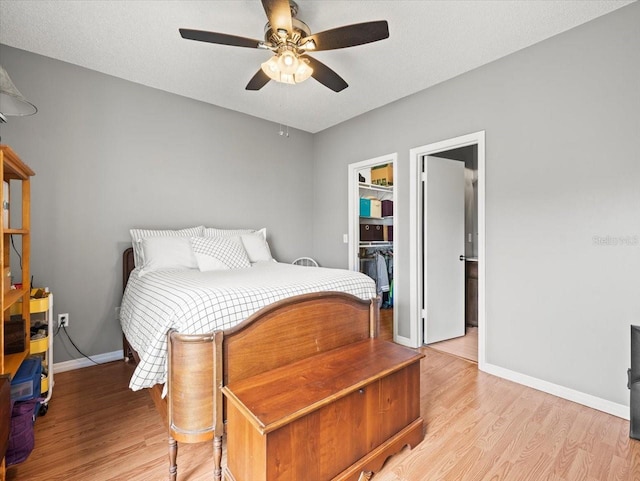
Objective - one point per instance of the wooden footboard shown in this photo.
(279, 334)
(293, 329)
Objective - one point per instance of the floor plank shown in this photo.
(479, 427)
(465, 346)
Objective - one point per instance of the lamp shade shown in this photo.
(11, 100)
(287, 68)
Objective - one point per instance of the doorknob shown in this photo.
(462, 257)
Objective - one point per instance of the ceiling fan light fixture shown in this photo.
(288, 62)
(308, 45)
(303, 71)
(290, 40)
(288, 68)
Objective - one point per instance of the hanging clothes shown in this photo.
(379, 266)
(382, 277)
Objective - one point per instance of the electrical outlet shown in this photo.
(117, 313)
(63, 320)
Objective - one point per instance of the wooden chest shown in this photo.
(330, 417)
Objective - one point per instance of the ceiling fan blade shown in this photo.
(279, 14)
(326, 76)
(259, 80)
(349, 35)
(219, 38)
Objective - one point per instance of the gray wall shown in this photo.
(562, 122)
(110, 155)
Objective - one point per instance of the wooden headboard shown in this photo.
(128, 265)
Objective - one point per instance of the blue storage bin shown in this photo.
(365, 207)
(26, 383)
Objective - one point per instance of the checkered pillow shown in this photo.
(219, 253)
(215, 232)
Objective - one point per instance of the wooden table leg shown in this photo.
(173, 456)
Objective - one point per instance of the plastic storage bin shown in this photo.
(26, 383)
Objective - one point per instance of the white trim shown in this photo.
(482, 253)
(84, 362)
(563, 392)
(415, 234)
(415, 254)
(354, 206)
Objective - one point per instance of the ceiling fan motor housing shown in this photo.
(300, 30)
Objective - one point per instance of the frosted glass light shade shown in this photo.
(287, 68)
(12, 101)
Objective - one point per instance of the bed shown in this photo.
(193, 332)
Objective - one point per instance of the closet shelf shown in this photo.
(376, 244)
(376, 187)
(379, 191)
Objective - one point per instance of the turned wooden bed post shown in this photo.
(173, 457)
(218, 428)
(194, 398)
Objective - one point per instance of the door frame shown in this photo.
(416, 231)
(354, 219)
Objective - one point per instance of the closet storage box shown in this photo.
(370, 207)
(371, 232)
(376, 208)
(365, 207)
(26, 383)
(387, 208)
(387, 233)
(382, 174)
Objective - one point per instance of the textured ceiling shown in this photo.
(430, 42)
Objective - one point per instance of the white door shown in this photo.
(444, 268)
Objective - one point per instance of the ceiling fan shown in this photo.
(290, 40)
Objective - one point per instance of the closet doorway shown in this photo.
(373, 230)
(463, 304)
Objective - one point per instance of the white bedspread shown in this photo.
(194, 302)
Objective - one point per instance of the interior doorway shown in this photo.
(373, 229)
(462, 304)
(443, 249)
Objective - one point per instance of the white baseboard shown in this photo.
(563, 392)
(84, 362)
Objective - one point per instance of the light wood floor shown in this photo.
(465, 347)
(479, 427)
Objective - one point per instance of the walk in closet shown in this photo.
(375, 248)
(373, 222)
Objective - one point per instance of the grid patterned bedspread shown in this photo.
(194, 302)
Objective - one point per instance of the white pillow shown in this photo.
(138, 234)
(256, 246)
(219, 253)
(167, 253)
(213, 232)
